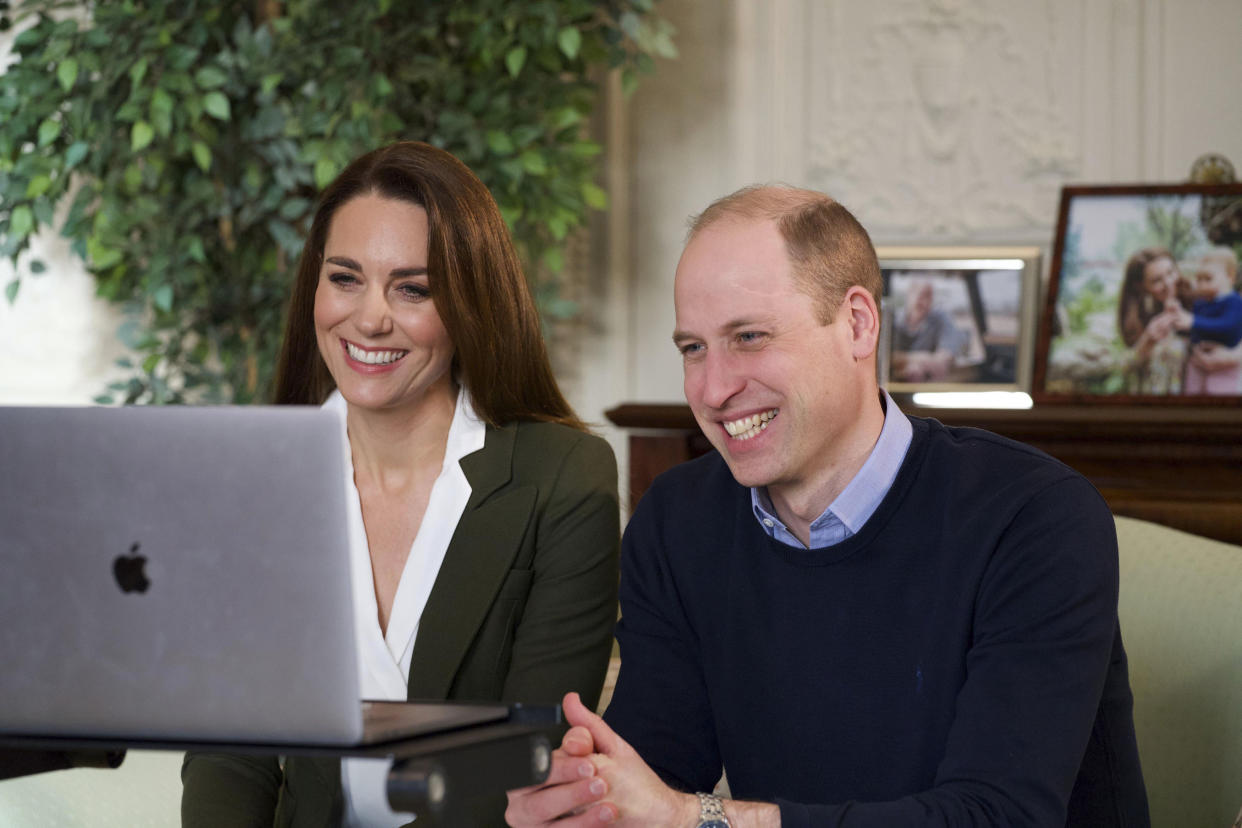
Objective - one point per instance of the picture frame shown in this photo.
(958, 318)
(1140, 302)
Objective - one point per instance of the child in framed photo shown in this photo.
(1215, 318)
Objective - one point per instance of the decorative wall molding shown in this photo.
(947, 120)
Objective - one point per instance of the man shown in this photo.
(925, 341)
(866, 619)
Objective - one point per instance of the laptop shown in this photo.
(181, 575)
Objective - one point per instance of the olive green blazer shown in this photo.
(522, 610)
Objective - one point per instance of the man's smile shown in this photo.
(744, 428)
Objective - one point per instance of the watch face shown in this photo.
(714, 823)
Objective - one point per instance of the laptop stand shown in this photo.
(431, 775)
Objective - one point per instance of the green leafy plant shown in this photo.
(189, 140)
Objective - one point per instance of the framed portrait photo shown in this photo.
(958, 318)
(1143, 301)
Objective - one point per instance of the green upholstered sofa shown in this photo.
(1181, 621)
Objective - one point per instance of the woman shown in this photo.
(1154, 296)
(484, 538)
(1151, 287)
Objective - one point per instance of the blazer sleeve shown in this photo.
(226, 791)
(563, 639)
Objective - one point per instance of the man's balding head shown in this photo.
(830, 251)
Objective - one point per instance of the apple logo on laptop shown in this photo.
(129, 571)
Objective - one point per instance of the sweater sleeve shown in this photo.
(1045, 624)
(661, 704)
(1224, 325)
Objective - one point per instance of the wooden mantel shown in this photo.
(1174, 465)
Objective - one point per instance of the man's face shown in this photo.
(776, 392)
(920, 303)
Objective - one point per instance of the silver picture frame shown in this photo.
(958, 318)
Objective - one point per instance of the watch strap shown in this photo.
(711, 811)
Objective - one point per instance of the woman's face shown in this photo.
(1159, 277)
(375, 319)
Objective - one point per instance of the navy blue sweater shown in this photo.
(1218, 320)
(957, 662)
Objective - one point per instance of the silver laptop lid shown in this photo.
(176, 572)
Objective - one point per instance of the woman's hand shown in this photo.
(1157, 329)
(1180, 318)
(1210, 356)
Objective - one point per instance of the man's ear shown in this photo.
(863, 317)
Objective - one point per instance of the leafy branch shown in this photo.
(189, 140)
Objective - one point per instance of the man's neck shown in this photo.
(799, 503)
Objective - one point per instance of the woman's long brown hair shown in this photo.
(476, 282)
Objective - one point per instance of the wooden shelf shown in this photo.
(1178, 466)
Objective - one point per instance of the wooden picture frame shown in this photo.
(958, 318)
(1137, 305)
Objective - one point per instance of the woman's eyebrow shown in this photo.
(398, 273)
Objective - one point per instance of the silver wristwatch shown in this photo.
(711, 812)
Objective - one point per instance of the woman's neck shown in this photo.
(392, 447)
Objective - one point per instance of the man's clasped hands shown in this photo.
(592, 770)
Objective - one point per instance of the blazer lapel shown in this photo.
(478, 558)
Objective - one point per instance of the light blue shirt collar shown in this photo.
(859, 500)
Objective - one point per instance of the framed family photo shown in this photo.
(1143, 303)
(958, 318)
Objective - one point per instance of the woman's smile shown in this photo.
(371, 357)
